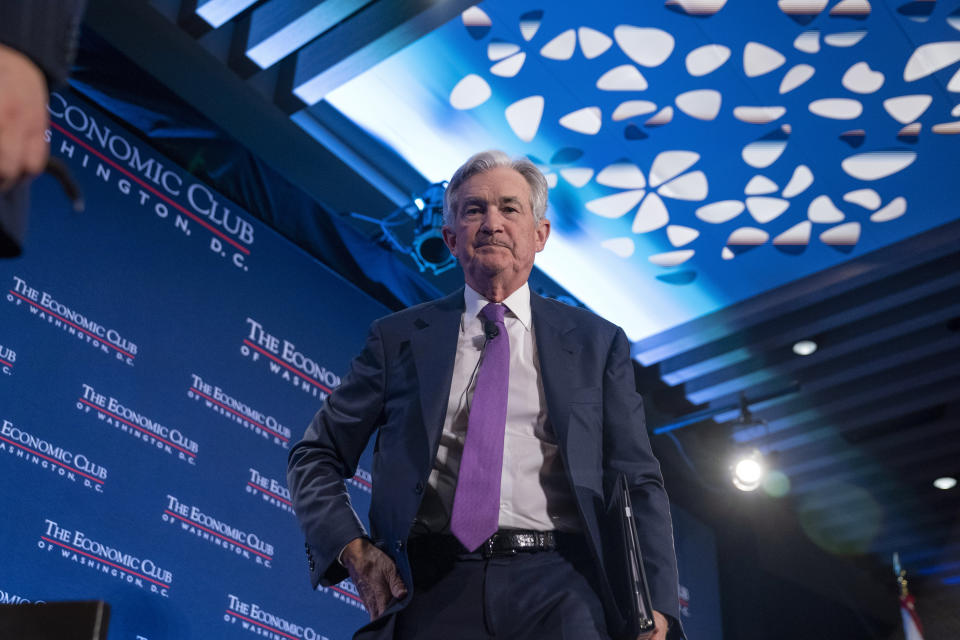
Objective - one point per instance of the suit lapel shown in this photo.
(434, 345)
(557, 351)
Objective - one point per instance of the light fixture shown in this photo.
(804, 347)
(748, 471)
(414, 229)
(946, 482)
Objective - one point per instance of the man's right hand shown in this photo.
(374, 574)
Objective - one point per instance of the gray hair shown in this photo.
(493, 159)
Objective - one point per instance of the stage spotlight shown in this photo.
(946, 482)
(804, 347)
(748, 471)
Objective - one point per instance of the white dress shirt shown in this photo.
(534, 492)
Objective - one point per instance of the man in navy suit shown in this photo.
(567, 419)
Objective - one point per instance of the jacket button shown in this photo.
(399, 545)
(419, 488)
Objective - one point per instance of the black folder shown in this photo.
(623, 560)
(55, 621)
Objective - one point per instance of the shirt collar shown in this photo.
(517, 303)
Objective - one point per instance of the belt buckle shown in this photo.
(489, 549)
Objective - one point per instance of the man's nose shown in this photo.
(492, 220)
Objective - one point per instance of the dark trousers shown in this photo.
(527, 596)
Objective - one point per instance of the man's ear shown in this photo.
(543, 232)
(449, 238)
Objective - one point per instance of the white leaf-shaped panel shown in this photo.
(875, 165)
(703, 104)
(808, 41)
(524, 115)
(561, 47)
(670, 164)
(894, 209)
(764, 209)
(842, 235)
(720, 212)
(851, 8)
(796, 77)
(946, 128)
(930, 58)
(690, 186)
(760, 185)
(860, 78)
(845, 39)
(763, 153)
(906, 109)
(866, 198)
(587, 120)
(475, 17)
(706, 59)
(651, 215)
(660, 118)
(577, 176)
(645, 46)
(758, 115)
(823, 211)
(836, 108)
(622, 175)
(748, 236)
(801, 179)
(797, 235)
(801, 7)
(470, 92)
(509, 67)
(500, 49)
(625, 77)
(680, 235)
(592, 42)
(632, 108)
(616, 205)
(671, 258)
(759, 59)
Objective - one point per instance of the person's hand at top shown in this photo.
(23, 118)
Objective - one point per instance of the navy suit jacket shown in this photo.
(397, 390)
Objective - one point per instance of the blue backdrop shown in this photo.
(160, 353)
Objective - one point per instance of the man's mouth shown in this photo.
(480, 245)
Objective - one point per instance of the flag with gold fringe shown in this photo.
(912, 629)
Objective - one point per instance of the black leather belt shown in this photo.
(506, 542)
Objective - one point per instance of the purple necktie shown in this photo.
(476, 503)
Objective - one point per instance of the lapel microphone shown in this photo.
(490, 329)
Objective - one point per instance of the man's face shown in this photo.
(493, 234)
